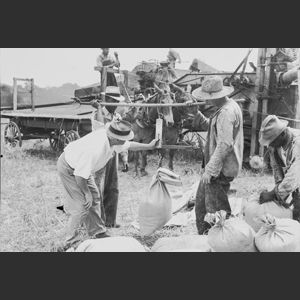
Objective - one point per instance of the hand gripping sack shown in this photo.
(277, 235)
(253, 209)
(155, 209)
(232, 235)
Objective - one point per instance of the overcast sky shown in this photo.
(56, 66)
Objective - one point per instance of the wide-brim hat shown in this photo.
(271, 128)
(121, 130)
(212, 88)
(114, 92)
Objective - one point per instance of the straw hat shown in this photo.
(114, 92)
(271, 128)
(212, 88)
(121, 130)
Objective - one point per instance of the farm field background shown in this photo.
(31, 189)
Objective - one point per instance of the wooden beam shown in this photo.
(9, 114)
(103, 81)
(298, 99)
(32, 95)
(15, 95)
(109, 70)
(160, 105)
(260, 76)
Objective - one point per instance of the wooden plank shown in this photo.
(298, 100)
(159, 132)
(109, 70)
(103, 82)
(15, 99)
(10, 114)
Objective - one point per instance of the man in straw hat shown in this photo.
(223, 150)
(284, 148)
(75, 166)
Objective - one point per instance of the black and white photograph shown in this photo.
(150, 150)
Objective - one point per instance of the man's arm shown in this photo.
(143, 147)
(82, 183)
(224, 146)
(291, 181)
(201, 122)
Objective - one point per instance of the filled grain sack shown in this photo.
(178, 244)
(113, 244)
(155, 209)
(253, 209)
(230, 235)
(277, 235)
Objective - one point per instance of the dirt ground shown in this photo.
(31, 189)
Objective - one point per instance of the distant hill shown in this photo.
(47, 95)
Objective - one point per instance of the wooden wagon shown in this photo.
(61, 123)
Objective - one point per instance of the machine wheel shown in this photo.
(194, 139)
(12, 134)
(70, 137)
(57, 140)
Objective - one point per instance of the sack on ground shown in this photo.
(254, 209)
(113, 244)
(230, 235)
(277, 235)
(155, 210)
(178, 244)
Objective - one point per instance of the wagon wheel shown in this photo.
(57, 140)
(71, 136)
(12, 134)
(194, 139)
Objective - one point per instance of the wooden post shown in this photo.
(32, 95)
(260, 76)
(297, 100)
(15, 95)
(103, 82)
(266, 92)
(159, 132)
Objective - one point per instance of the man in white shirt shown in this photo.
(76, 166)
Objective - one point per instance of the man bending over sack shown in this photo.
(223, 150)
(76, 165)
(284, 148)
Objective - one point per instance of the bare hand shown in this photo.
(89, 201)
(206, 178)
(154, 143)
(189, 103)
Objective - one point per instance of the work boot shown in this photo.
(102, 235)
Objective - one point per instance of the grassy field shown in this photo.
(31, 188)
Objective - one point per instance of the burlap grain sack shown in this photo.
(230, 235)
(155, 210)
(113, 244)
(179, 244)
(277, 235)
(253, 209)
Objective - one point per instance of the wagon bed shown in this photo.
(61, 124)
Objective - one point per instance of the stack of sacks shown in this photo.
(230, 235)
(113, 244)
(277, 235)
(189, 243)
(253, 209)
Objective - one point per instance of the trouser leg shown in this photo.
(296, 203)
(94, 222)
(211, 198)
(111, 192)
(74, 204)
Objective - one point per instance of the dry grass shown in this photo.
(31, 188)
